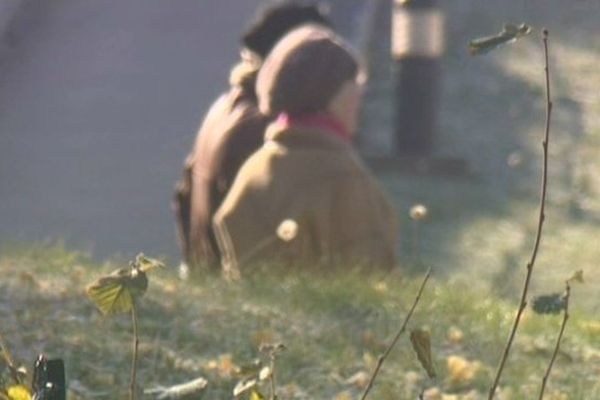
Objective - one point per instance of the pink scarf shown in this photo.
(321, 121)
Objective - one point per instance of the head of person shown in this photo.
(278, 18)
(312, 71)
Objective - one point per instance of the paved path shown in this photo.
(99, 102)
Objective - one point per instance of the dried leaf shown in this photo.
(264, 373)
(577, 277)
(549, 304)
(272, 349)
(360, 379)
(421, 343)
(244, 386)
(184, 390)
(249, 369)
(146, 263)
(461, 371)
(509, 34)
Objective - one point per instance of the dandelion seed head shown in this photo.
(287, 230)
(418, 212)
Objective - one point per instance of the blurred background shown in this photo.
(100, 103)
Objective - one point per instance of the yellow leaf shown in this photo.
(18, 392)
(256, 395)
(345, 395)
(114, 293)
(110, 294)
(461, 371)
(421, 342)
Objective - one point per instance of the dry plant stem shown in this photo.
(416, 242)
(558, 340)
(9, 360)
(542, 216)
(382, 357)
(136, 341)
(272, 378)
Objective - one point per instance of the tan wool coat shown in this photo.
(305, 198)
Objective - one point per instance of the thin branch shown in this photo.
(382, 357)
(9, 361)
(136, 341)
(542, 217)
(416, 241)
(558, 340)
(272, 378)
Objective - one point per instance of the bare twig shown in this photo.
(541, 219)
(272, 377)
(136, 341)
(558, 340)
(9, 361)
(416, 241)
(385, 354)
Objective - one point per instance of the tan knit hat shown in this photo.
(304, 71)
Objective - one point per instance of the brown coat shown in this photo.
(316, 180)
(232, 130)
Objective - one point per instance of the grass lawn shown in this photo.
(334, 327)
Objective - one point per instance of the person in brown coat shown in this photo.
(305, 197)
(232, 129)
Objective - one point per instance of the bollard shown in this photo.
(417, 47)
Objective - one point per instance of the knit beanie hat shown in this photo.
(276, 19)
(304, 72)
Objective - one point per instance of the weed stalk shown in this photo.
(542, 217)
(402, 329)
(272, 377)
(558, 340)
(136, 341)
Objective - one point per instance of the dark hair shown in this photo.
(275, 20)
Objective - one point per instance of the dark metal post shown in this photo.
(417, 47)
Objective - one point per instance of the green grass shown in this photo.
(333, 327)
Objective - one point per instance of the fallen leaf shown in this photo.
(18, 392)
(577, 277)
(360, 379)
(461, 371)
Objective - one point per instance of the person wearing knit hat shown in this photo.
(305, 197)
(232, 129)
